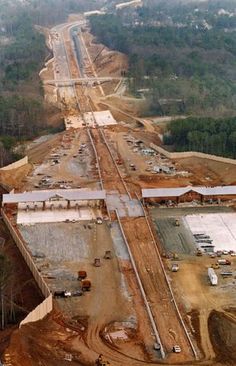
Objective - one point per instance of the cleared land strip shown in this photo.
(146, 258)
(151, 274)
(148, 263)
(110, 173)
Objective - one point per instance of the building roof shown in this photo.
(177, 192)
(66, 194)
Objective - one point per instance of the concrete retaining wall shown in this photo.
(46, 306)
(39, 312)
(17, 164)
(191, 154)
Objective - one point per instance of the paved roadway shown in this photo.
(61, 65)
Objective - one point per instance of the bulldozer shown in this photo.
(101, 362)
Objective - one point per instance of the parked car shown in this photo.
(62, 293)
(224, 262)
(175, 267)
(99, 220)
(176, 349)
(77, 293)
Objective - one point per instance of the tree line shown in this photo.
(208, 135)
(193, 64)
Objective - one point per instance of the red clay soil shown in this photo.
(42, 343)
(222, 330)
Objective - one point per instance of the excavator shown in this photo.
(101, 362)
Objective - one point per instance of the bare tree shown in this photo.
(5, 275)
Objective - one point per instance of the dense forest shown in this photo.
(23, 113)
(178, 53)
(21, 55)
(208, 135)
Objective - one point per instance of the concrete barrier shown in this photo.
(16, 164)
(46, 306)
(191, 154)
(39, 312)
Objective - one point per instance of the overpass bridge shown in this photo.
(84, 81)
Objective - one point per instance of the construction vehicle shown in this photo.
(101, 362)
(177, 222)
(82, 275)
(107, 254)
(97, 262)
(198, 253)
(99, 220)
(174, 267)
(212, 276)
(85, 285)
(77, 293)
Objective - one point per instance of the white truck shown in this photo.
(212, 276)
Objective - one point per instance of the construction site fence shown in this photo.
(191, 154)
(46, 306)
(16, 164)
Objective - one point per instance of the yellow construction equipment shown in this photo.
(198, 253)
(101, 362)
(175, 256)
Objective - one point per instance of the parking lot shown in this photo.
(138, 158)
(69, 165)
(180, 239)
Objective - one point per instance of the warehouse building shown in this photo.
(55, 205)
(189, 194)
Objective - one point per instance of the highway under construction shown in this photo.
(135, 312)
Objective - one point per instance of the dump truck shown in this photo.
(212, 276)
(82, 275)
(85, 285)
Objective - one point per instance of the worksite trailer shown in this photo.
(212, 277)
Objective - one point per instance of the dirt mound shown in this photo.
(222, 329)
(13, 178)
(44, 342)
